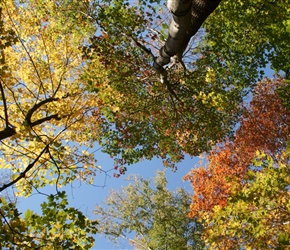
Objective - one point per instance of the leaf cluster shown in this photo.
(58, 227)
(257, 213)
(248, 35)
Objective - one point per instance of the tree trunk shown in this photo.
(188, 16)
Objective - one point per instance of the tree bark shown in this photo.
(188, 16)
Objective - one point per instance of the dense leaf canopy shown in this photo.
(76, 76)
(242, 195)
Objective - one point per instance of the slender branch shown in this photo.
(29, 167)
(38, 192)
(157, 67)
(6, 221)
(48, 60)
(138, 44)
(4, 104)
(58, 170)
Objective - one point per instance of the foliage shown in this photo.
(59, 226)
(284, 94)
(264, 127)
(155, 216)
(140, 116)
(241, 201)
(257, 214)
(41, 89)
(248, 35)
(73, 73)
(134, 115)
(43, 123)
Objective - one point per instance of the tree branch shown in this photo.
(158, 68)
(29, 167)
(7, 132)
(5, 105)
(138, 44)
(10, 131)
(37, 106)
(48, 118)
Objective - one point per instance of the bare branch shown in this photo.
(158, 68)
(58, 170)
(48, 61)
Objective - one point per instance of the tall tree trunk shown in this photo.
(188, 16)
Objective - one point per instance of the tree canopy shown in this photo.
(257, 213)
(156, 217)
(79, 76)
(239, 194)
